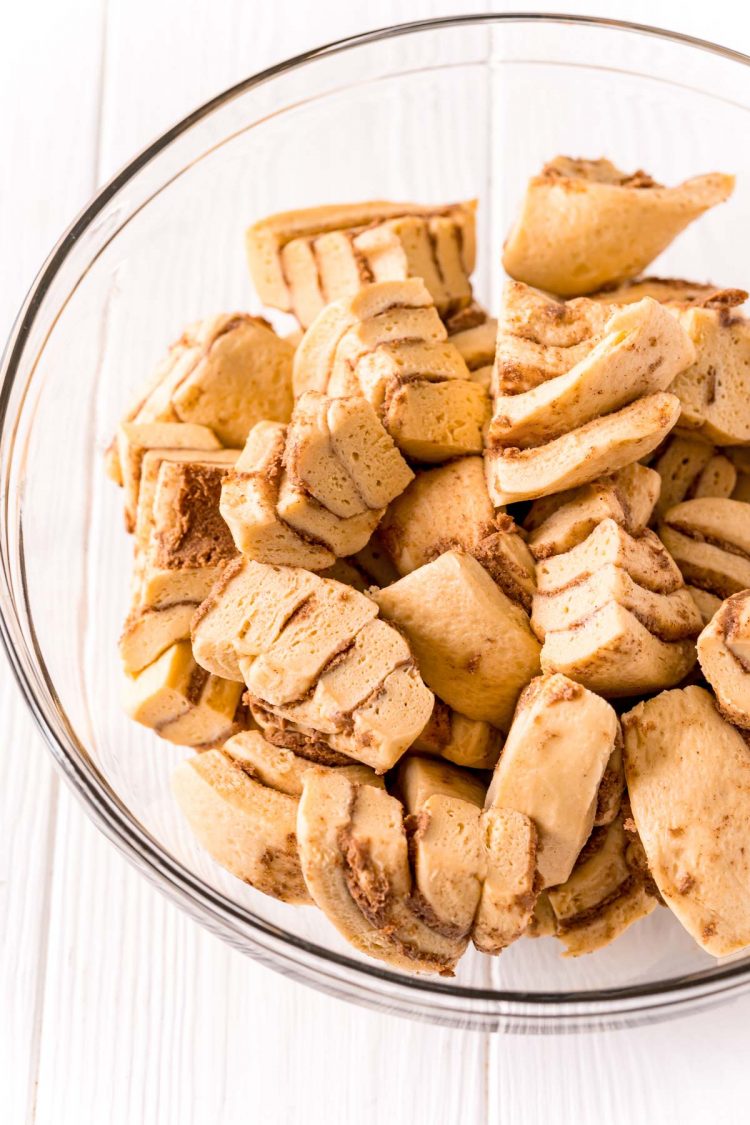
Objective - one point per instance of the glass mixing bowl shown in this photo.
(435, 111)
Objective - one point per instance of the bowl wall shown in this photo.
(436, 113)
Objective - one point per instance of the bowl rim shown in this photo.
(207, 906)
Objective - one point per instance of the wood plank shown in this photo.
(48, 131)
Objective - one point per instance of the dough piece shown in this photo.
(643, 557)
(540, 337)
(245, 611)
(302, 260)
(148, 632)
(707, 603)
(474, 647)
(585, 224)
(680, 465)
(714, 390)
(552, 764)
(614, 614)
(249, 505)
(312, 654)
(709, 540)
(432, 422)
(442, 509)
(182, 702)
(603, 896)
(474, 333)
(449, 509)
(321, 628)
(601, 446)
(688, 776)
(388, 344)
(510, 888)
(241, 801)
(613, 654)
(724, 655)
(354, 857)
(188, 541)
(670, 617)
(465, 742)
(227, 372)
(560, 522)
(641, 352)
(443, 806)
(134, 440)
(150, 469)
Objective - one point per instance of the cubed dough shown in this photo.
(243, 374)
(558, 523)
(584, 223)
(354, 856)
(182, 702)
(433, 421)
(709, 540)
(644, 348)
(552, 764)
(474, 647)
(249, 505)
(463, 741)
(443, 806)
(688, 776)
(135, 439)
(188, 541)
(604, 895)
(510, 888)
(724, 655)
(601, 446)
(302, 260)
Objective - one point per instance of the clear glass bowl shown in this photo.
(436, 111)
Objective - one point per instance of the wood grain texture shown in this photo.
(48, 131)
(115, 1007)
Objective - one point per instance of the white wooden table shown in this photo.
(114, 1007)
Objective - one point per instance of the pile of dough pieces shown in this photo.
(456, 611)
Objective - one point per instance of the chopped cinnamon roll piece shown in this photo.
(600, 446)
(458, 739)
(688, 776)
(558, 523)
(188, 541)
(724, 655)
(474, 647)
(578, 390)
(354, 855)
(443, 806)
(614, 615)
(449, 508)
(313, 654)
(585, 224)
(709, 540)
(301, 261)
(241, 802)
(511, 885)
(182, 702)
(135, 439)
(554, 759)
(315, 490)
(603, 896)
(640, 351)
(225, 373)
(387, 343)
